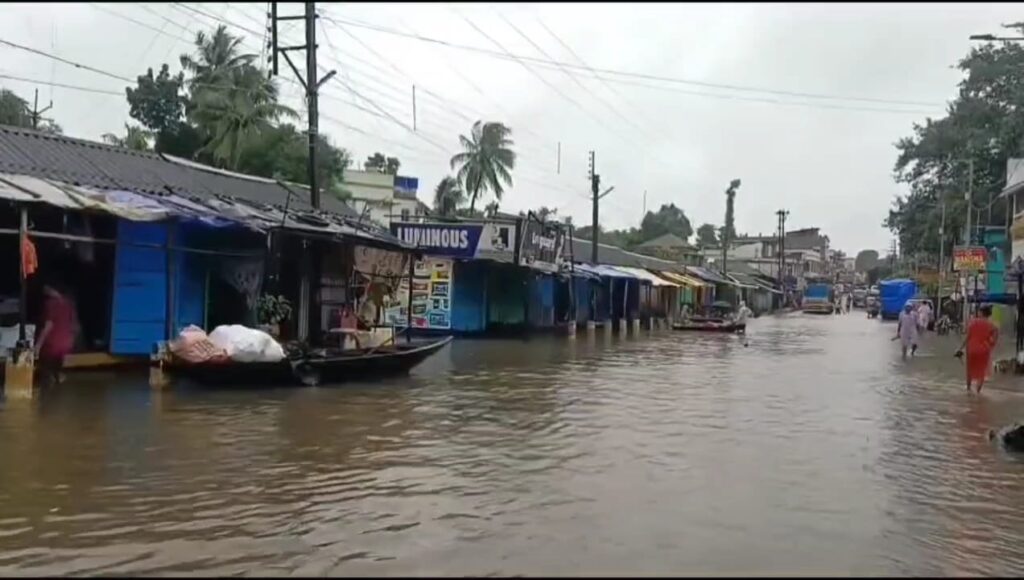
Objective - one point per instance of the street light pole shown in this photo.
(942, 254)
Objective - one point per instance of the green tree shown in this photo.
(865, 260)
(669, 219)
(486, 160)
(382, 164)
(236, 113)
(14, 110)
(448, 196)
(217, 61)
(983, 127)
(135, 138)
(158, 102)
(282, 152)
(707, 235)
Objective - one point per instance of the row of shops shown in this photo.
(147, 244)
(519, 274)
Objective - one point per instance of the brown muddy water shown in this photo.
(815, 450)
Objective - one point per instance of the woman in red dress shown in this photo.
(980, 341)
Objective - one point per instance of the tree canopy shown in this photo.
(707, 235)
(382, 164)
(865, 260)
(669, 219)
(982, 128)
(486, 160)
(223, 110)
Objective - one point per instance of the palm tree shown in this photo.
(135, 138)
(486, 160)
(235, 113)
(448, 196)
(218, 57)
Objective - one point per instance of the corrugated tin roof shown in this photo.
(81, 162)
(615, 256)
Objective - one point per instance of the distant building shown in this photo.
(383, 198)
(671, 247)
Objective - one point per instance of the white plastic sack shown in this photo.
(245, 344)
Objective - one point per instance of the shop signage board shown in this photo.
(431, 296)
(969, 258)
(436, 239)
(541, 244)
(491, 240)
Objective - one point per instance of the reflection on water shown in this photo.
(813, 450)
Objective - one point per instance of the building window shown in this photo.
(405, 214)
(503, 236)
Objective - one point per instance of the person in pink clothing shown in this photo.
(56, 336)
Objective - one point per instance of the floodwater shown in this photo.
(814, 450)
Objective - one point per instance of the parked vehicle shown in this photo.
(894, 295)
(860, 296)
(818, 298)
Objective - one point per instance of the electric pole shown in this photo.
(595, 186)
(309, 82)
(35, 114)
(782, 213)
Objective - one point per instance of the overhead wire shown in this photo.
(126, 79)
(647, 76)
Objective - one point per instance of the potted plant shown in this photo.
(272, 311)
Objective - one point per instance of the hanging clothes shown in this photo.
(244, 275)
(29, 259)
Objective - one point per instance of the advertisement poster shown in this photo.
(541, 245)
(969, 259)
(431, 296)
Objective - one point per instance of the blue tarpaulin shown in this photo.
(894, 294)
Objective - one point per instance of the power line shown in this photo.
(646, 76)
(65, 61)
(61, 85)
(573, 77)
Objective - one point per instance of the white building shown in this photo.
(383, 198)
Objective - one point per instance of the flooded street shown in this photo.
(815, 450)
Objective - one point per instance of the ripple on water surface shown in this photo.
(812, 450)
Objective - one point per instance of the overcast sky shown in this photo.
(828, 160)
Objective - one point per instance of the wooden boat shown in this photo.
(710, 326)
(310, 370)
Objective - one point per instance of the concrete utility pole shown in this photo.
(309, 82)
(730, 195)
(35, 114)
(942, 255)
(595, 185)
(783, 214)
(969, 196)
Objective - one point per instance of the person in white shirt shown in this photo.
(741, 318)
(742, 314)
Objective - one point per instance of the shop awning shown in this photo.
(684, 279)
(645, 275)
(708, 275)
(218, 211)
(604, 271)
(581, 271)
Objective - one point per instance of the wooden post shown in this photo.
(20, 364)
(408, 318)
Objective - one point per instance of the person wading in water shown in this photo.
(906, 331)
(57, 337)
(980, 341)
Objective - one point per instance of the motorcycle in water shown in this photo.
(872, 306)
